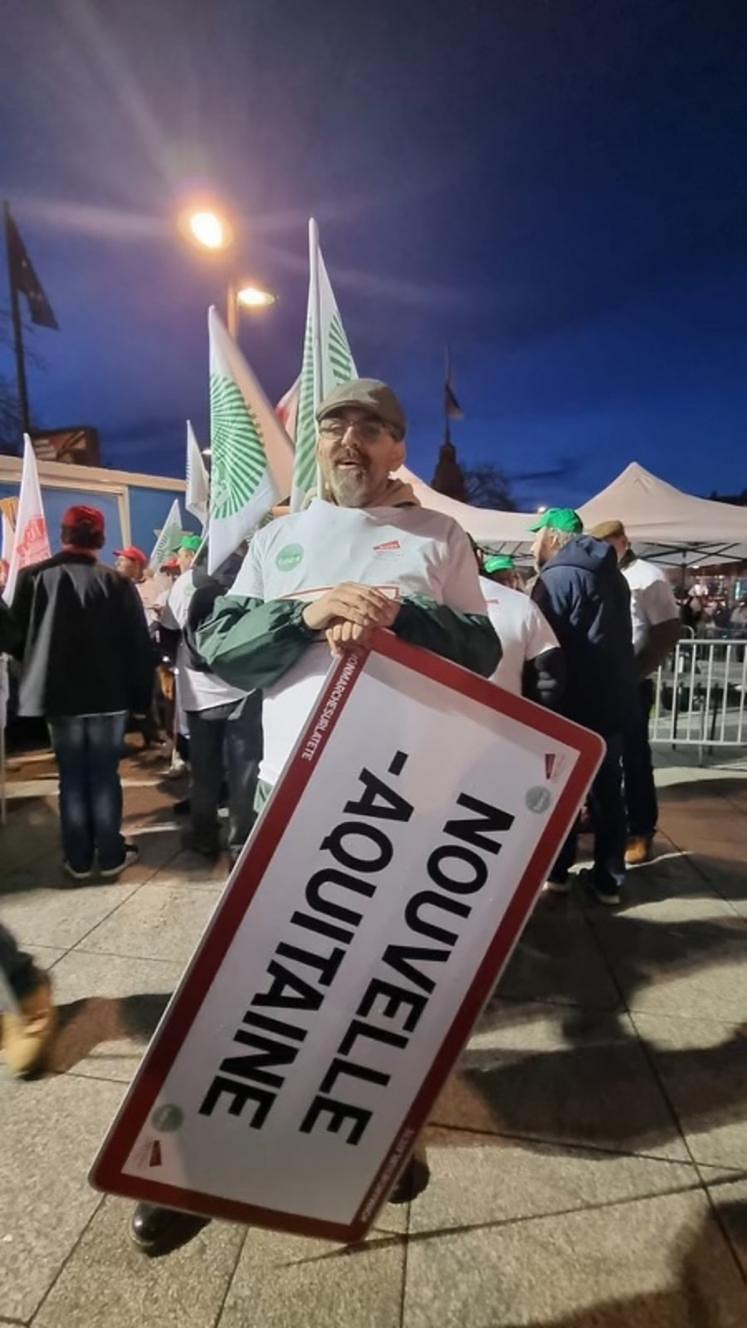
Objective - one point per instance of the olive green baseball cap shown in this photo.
(369, 394)
(499, 562)
(560, 518)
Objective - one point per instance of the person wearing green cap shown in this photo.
(531, 662)
(189, 547)
(501, 569)
(223, 723)
(586, 600)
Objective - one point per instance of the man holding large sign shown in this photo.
(404, 568)
(358, 939)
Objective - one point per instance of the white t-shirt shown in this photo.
(522, 629)
(651, 598)
(403, 550)
(195, 690)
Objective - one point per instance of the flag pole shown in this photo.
(447, 377)
(15, 316)
(316, 330)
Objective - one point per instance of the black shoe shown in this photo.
(607, 892)
(132, 853)
(160, 1230)
(412, 1182)
(211, 852)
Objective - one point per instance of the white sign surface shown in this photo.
(359, 936)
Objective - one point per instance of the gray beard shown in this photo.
(349, 488)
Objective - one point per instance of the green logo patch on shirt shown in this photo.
(289, 557)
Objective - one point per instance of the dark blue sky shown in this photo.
(558, 188)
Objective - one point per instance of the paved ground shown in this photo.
(589, 1159)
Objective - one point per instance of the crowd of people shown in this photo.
(251, 646)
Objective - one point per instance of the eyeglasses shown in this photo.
(334, 430)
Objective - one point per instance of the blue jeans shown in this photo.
(88, 748)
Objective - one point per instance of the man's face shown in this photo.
(185, 558)
(543, 547)
(357, 455)
(132, 568)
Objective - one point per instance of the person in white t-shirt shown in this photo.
(363, 556)
(531, 664)
(655, 622)
(224, 728)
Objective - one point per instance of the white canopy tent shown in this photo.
(670, 527)
(486, 525)
(667, 525)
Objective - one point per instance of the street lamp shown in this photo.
(209, 230)
(213, 232)
(253, 297)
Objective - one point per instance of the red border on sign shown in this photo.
(107, 1173)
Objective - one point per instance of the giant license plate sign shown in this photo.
(357, 940)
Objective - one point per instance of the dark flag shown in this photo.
(452, 409)
(24, 278)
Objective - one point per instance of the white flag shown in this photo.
(31, 543)
(327, 361)
(8, 539)
(169, 537)
(251, 454)
(196, 500)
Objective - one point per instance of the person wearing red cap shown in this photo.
(86, 661)
(131, 562)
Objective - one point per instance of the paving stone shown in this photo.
(109, 1008)
(46, 956)
(725, 874)
(483, 1178)
(563, 1076)
(292, 1282)
(729, 1197)
(651, 1263)
(703, 1066)
(192, 867)
(51, 1129)
(557, 960)
(684, 964)
(108, 1283)
(60, 918)
(157, 923)
(690, 828)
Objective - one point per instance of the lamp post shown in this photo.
(213, 232)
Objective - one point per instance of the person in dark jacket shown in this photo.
(586, 600)
(27, 1014)
(86, 660)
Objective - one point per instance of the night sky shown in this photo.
(556, 188)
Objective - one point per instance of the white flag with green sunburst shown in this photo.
(251, 454)
(327, 361)
(168, 538)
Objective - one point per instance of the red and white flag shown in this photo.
(287, 408)
(31, 543)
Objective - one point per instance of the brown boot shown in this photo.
(28, 1031)
(638, 850)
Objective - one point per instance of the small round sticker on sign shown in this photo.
(167, 1117)
(289, 557)
(538, 799)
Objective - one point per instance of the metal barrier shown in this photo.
(701, 695)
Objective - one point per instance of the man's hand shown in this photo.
(363, 606)
(346, 638)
